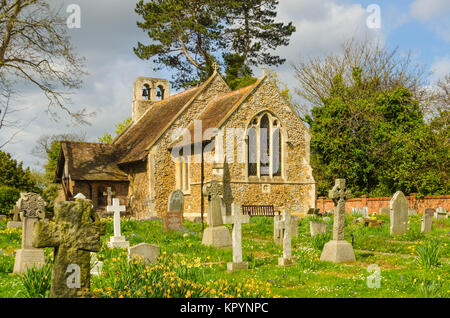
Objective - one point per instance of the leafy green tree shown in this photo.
(107, 138)
(12, 174)
(8, 198)
(375, 138)
(189, 36)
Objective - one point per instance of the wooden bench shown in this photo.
(259, 210)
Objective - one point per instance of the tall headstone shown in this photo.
(427, 222)
(399, 214)
(338, 250)
(109, 195)
(74, 233)
(173, 219)
(117, 241)
(216, 234)
(237, 219)
(32, 207)
(286, 225)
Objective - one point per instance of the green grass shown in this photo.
(409, 264)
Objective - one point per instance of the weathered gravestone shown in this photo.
(385, 211)
(286, 225)
(338, 250)
(216, 234)
(237, 219)
(430, 211)
(173, 219)
(32, 207)
(16, 222)
(427, 222)
(117, 241)
(109, 195)
(399, 214)
(74, 233)
(362, 212)
(278, 231)
(317, 228)
(145, 252)
(441, 213)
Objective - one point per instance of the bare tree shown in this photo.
(35, 49)
(389, 68)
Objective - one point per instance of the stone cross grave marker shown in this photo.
(338, 250)
(109, 194)
(32, 207)
(216, 234)
(286, 225)
(74, 233)
(427, 222)
(117, 240)
(237, 219)
(399, 214)
(173, 219)
(16, 222)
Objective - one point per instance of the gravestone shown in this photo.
(173, 219)
(237, 219)
(385, 211)
(80, 196)
(430, 211)
(117, 241)
(317, 228)
(427, 223)
(286, 225)
(338, 250)
(109, 195)
(216, 234)
(399, 214)
(74, 234)
(16, 222)
(441, 213)
(32, 207)
(363, 212)
(278, 232)
(145, 252)
(412, 212)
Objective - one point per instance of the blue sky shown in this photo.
(108, 33)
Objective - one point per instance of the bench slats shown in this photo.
(259, 210)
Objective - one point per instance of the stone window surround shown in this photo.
(182, 175)
(283, 140)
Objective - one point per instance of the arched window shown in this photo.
(264, 146)
(159, 92)
(146, 92)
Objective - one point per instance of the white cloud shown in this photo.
(426, 10)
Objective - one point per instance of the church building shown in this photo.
(252, 140)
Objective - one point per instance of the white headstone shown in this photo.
(237, 219)
(80, 196)
(144, 251)
(117, 240)
(286, 225)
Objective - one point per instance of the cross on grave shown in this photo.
(109, 193)
(338, 250)
(339, 194)
(117, 240)
(285, 225)
(237, 219)
(74, 233)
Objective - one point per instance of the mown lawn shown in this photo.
(187, 268)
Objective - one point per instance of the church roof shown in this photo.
(219, 109)
(90, 161)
